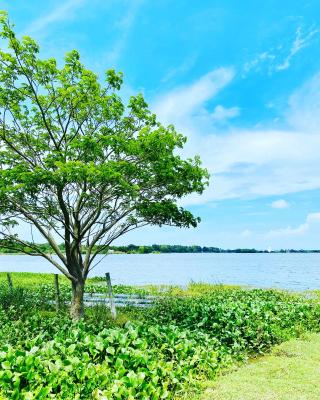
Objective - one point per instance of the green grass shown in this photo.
(290, 372)
(30, 279)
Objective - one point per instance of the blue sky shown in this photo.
(240, 79)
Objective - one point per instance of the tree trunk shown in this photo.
(76, 309)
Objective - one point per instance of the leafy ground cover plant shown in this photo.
(145, 354)
(243, 321)
(83, 361)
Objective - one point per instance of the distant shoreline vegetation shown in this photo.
(155, 248)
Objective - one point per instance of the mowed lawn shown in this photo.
(290, 372)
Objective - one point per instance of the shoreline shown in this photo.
(184, 253)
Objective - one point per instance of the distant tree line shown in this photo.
(177, 248)
(13, 248)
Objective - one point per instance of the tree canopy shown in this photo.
(77, 164)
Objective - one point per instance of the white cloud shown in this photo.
(125, 25)
(298, 44)
(246, 163)
(280, 204)
(256, 62)
(221, 113)
(304, 235)
(304, 107)
(184, 67)
(312, 222)
(249, 164)
(312, 218)
(184, 102)
(269, 60)
(63, 12)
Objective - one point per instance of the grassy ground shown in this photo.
(32, 280)
(290, 372)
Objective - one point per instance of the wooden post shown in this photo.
(57, 292)
(10, 284)
(111, 298)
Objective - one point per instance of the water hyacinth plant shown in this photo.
(154, 353)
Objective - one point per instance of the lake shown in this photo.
(288, 271)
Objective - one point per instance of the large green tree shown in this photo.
(78, 165)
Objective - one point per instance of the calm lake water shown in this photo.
(288, 271)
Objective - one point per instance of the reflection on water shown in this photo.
(289, 271)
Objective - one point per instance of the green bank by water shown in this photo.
(187, 338)
(290, 372)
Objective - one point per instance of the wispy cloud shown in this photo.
(280, 204)
(304, 107)
(312, 221)
(221, 113)
(63, 12)
(303, 235)
(184, 67)
(301, 40)
(244, 163)
(258, 61)
(269, 60)
(124, 25)
(256, 163)
(184, 102)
